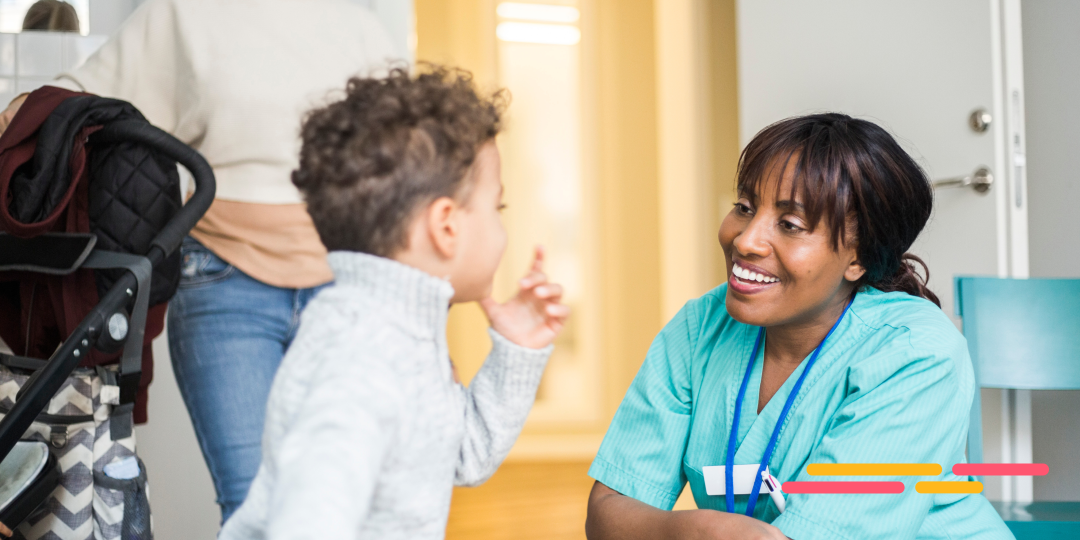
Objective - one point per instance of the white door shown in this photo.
(919, 68)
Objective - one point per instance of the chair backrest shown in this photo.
(1022, 333)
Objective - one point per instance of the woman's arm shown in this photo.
(5, 120)
(616, 516)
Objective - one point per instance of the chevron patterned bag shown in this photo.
(93, 501)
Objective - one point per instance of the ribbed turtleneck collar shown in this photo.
(421, 298)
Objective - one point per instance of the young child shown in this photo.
(366, 429)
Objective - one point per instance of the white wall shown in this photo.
(106, 15)
(1052, 84)
(29, 60)
(400, 22)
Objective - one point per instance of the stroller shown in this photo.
(36, 446)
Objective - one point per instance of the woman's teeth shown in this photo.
(747, 275)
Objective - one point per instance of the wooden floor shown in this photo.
(524, 501)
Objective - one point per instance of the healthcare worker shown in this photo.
(824, 346)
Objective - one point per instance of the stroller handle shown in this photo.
(173, 233)
(40, 389)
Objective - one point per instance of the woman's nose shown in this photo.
(753, 240)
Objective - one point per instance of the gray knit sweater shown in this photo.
(366, 431)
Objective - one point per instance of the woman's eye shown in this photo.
(743, 209)
(501, 207)
(789, 226)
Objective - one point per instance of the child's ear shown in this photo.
(443, 226)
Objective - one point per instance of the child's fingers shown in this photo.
(538, 259)
(556, 324)
(549, 291)
(556, 327)
(558, 311)
(532, 280)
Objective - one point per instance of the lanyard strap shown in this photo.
(729, 469)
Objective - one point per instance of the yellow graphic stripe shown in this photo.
(949, 487)
(873, 469)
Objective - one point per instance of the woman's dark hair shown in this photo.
(52, 15)
(853, 176)
(390, 145)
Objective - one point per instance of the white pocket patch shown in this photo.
(743, 479)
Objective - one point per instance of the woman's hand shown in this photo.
(5, 121)
(613, 515)
(534, 316)
(4, 531)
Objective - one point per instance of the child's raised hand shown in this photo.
(534, 316)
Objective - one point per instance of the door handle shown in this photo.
(980, 181)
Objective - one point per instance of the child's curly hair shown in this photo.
(391, 145)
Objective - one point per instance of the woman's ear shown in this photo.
(442, 226)
(854, 271)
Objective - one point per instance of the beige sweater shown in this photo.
(233, 78)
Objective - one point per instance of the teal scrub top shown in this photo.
(893, 384)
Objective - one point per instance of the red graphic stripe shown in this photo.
(1000, 469)
(842, 487)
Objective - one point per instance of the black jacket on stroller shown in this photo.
(51, 180)
(91, 221)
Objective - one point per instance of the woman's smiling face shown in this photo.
(782, 269)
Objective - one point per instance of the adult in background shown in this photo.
(233, 80)
(51, 16)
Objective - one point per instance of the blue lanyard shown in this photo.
(729, 482)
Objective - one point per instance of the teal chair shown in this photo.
(1023, 334)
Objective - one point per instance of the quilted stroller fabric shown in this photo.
(52, 180)
(133, 193)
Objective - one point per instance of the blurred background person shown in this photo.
(233, 80)
(52, 16)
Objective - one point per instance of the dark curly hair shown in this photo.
(393, 144)
(851, 172)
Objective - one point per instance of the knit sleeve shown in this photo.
(497, 403)
(143, 63)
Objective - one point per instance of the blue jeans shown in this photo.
(227, 335)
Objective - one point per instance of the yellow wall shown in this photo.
(627, 169)
(623, 104)
(723, 113)
(459, 33)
